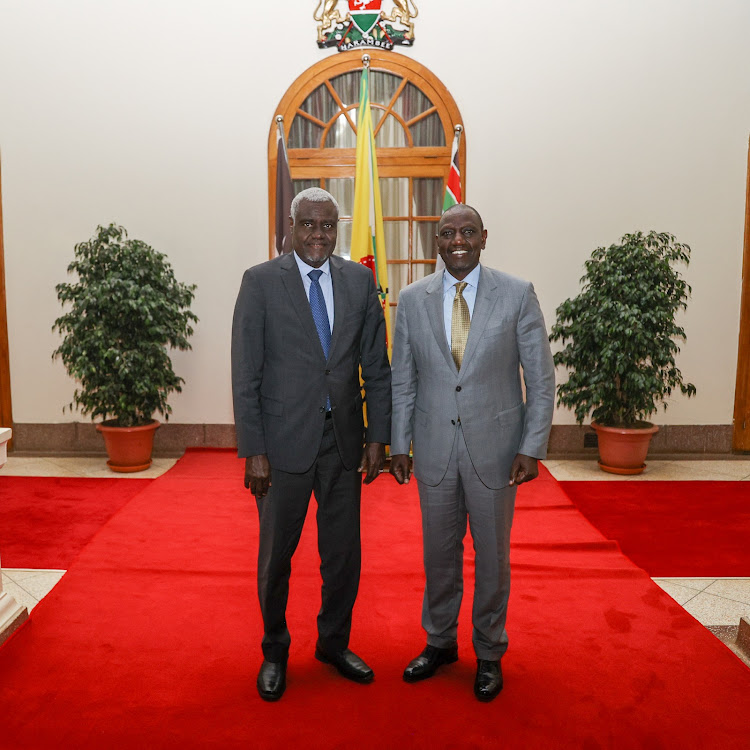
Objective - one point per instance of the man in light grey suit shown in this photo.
(462, 337)
(304, 324)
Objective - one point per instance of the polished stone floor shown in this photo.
(716, 603)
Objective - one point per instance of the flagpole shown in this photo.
(284, 192)
(368, 236)
(282, 134)
(457, 130)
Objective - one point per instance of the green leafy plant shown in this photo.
(125, 309)
(620, 332)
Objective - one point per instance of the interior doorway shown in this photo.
(741, 433)
(414, 118)
(6, 412)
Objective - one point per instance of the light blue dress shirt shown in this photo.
(449, 294)
(325, 283)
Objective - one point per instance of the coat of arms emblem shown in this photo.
(364, 24)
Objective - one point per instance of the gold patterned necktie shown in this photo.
(460, 322)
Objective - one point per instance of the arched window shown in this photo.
(414, 117)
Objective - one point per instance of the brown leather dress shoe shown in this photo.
(489, 681)
(272, 680)
(348, 665)
(426, 664)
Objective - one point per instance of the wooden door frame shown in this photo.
(741, 433)
(309, 163)
(6, 411)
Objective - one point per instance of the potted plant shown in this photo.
(126, 308)
(620, 340)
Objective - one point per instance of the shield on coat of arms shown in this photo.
(365, 14)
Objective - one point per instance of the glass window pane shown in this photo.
(396, 239)
(383, 86)
(304, 134)
(428, 132)
(394, 195)
(347, 86)
(299, 185)
(424, 239)
(342, 189)
(398, 275)
(344, 242)
(390, 312)
(397, 280)
(341, 134)
(391, 135)
(428, 196)
(412, 102)
(420, 270)
(320, 104)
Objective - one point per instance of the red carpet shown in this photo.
(151, 640)
(46, 521)
(671, 529)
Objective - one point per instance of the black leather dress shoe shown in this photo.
(272, 680)
(489, 681)
(426, 664)
(348, 664)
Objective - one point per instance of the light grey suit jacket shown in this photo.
(430, 395)
(281, 378)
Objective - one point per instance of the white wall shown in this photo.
(584, 120)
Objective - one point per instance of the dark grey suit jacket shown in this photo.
(280, 377)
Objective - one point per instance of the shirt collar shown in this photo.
(472, 279)
(305, 268)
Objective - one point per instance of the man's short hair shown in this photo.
(314, 195)
(457, 206)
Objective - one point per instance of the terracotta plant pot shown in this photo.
(622, 450)
(129, 448)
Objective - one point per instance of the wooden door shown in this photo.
(6, 413)
(741, 435)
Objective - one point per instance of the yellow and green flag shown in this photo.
(368, 238)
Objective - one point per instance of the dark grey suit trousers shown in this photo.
(282, 514)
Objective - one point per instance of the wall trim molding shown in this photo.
(566, 441)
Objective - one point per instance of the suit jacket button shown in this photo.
(453, 421)
(328, 372)
(458, 387)
(322, 409)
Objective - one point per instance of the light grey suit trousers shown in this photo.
(444, 512)
(466, 427)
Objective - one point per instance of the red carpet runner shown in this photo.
(688, 529)
(152, 640)
(46, 521)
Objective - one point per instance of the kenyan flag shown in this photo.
(453, 183)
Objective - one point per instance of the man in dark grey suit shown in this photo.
(304, 325)
(462, 337)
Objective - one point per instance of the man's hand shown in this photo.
(373, 458)
(400, 468)
(524, 469)
(258, 475)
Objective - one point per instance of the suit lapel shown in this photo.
(434, 307)
(484, 304)
(340, 299)
(292, 280)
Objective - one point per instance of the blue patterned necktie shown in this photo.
(319, 311)
(320, 316)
